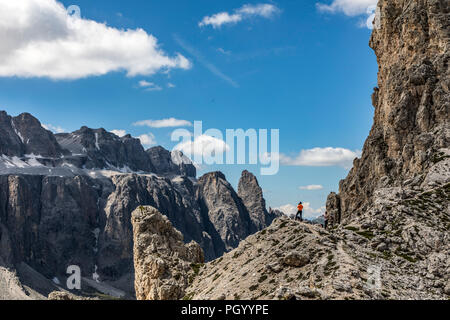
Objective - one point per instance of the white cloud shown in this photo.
(203, 145)
(40, 39)
(311, 187)
(164, 123)
(308, 211)
(55, 129)
(322, 157)
(147, 140)
(348, 7)
(149, 86)
(353, 8)
(171, 85)
(245, 12)
(119, 133)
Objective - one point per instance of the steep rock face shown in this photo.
(174, 163)
(162, 261)
(24, 134)
(174, 198)
(48, 222)
(411, 124)
(226, 211)
(252, 197)
(102, 149)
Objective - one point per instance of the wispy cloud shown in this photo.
(348, 7)
(246, 12)
(41, 39)
(55, 129)
(149, 86)
(164, 123)
(312, 187)
(197, 54)
(223, 51)
(319, 157)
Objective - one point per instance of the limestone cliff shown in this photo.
(162, 262)
(410, 137)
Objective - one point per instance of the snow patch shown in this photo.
(96, 141)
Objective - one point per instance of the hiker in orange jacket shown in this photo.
(299, 215)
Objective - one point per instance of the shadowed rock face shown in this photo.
(172, 163)
(162, 261)
(226, 211)
(24, 134)
(252, 197)
(411, 124)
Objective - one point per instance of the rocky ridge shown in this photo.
(69, 202)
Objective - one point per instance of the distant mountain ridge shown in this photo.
(66, 199)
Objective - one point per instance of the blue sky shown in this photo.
(295, 66)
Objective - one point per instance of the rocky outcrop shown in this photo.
(411, 130)
(163, 262)
(228, 215)
(171, 163)
(252, 197)
(333, 209)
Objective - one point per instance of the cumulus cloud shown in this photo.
(311, 187)
(147, 140)
(119, 133)
(245, 12)
(41, 39)
(348, 7)
(203, 145)
(322, 157)
(353, 8)
(55, 129)
(308, 211)
(164, 123)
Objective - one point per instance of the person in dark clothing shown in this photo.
(299, 215)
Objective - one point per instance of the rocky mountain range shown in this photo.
(388, 235)
(66, 199)
(141, 225)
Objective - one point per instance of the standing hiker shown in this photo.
(326, 220)
(299, 215)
